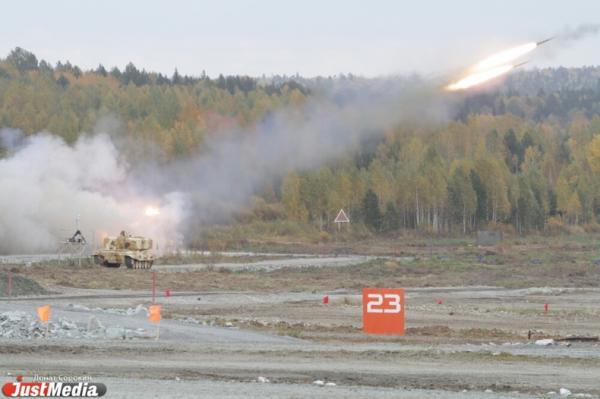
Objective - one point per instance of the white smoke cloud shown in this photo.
(46, 184)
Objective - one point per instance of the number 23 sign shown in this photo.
(383, 310)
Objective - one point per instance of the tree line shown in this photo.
(486, 172)
(175, 113)
(525, 156)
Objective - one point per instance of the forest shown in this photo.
(523, 158)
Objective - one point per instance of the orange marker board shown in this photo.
(44, 313)
(154, 313)
(383, 311)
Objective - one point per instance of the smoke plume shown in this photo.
(47, 183)
(578, 33)
(237, 164)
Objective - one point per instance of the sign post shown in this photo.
(383, 311)
(341, 218)
(153, 287)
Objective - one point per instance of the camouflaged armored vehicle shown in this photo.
(134, 251)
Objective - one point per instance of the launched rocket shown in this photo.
(544, 41)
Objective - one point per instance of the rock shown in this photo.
(496, 353)
(67, 325)
(319, 382)
(330, 384)
(129, 334)
(78, 307)
(564, 392)
(488, 391)
(115, 333)
(544, 342)
(137, 310)
(94, 325)
(15, 316)
(262, 379)
(177, 379)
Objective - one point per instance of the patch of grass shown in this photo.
(290, 332)
(20, 285)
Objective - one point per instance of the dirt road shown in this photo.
(274, 264)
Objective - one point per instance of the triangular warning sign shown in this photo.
(341, 217)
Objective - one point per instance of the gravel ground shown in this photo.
(474, 341)
(170, 330)
(128, 388)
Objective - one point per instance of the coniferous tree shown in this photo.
(391, 218)
(370, 210)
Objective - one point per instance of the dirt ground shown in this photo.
(472, 316)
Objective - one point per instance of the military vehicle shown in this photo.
(134, 251)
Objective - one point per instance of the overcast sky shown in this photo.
(310, 37)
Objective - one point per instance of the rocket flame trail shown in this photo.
(495, 65)
(479, 77)
(505, 57)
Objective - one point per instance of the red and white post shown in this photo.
(153, 287)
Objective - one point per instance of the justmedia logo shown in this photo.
(53, 389)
